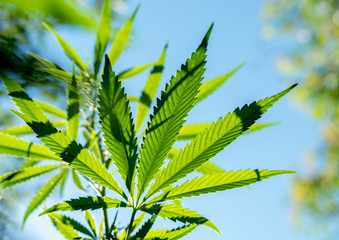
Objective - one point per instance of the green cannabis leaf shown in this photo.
(95, 138)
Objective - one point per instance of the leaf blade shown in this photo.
(24, 130)
(73, 109)
(71, 222)
(190, 131)
(85, 203)
(220, 182)
(121, 39)
(177, 213)
(117, 124)
(210, 86)
(214, 139)
(43, 193)
(150, 89)
(68, 150)
(168, 118)
(173, 234)
(24, 174)
(71, 53)
(91, 222)
(68, 231)
(134, 71)
(22, 100)
(51, 110)
(77, 181)
(11, 145)
(102, 35)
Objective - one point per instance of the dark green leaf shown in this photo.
(117, 124)
(86, 203)
(73, 109)
(168, 117)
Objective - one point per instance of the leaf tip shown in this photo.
(206, 37)
(43, 213)
(242, 64)
(135, 11)
(294, 85)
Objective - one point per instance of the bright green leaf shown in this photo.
(51, 110)
(211, 141)
(134, 71)
(72, 223)
(63, 182)
(173, 234)
(209, 87)
(121, 39)
(17, 147)
(77, 181)
(43, 193)
(133, 99)
(24, 130)
(190, 131)
(62, 75)
(178, 213)
(70, 151)
(67, 230)
(102, 35)
(67, 49)
(150, 90)
(209, 168)
(24, 174)
(218, 182)
(91, 222)
(45, 61)
(22, 100)
(258, 126)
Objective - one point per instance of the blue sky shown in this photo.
(261, 211)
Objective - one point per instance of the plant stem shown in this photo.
(103, 193)
(108, 236)
(130, 226)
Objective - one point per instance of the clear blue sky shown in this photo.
(261, 211)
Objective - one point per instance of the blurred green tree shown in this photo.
(314, 62)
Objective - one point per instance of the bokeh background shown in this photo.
(283, 42)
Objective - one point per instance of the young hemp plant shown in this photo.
(142, 181)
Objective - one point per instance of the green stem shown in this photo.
(130, 226)
(108, 235)
(103, 193)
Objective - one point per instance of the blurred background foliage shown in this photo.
(20, 29)
(21, 25)
(313, 61)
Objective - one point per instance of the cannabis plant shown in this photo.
(142, 172)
